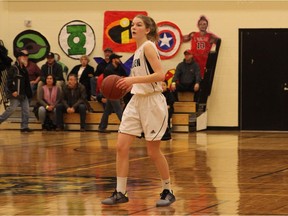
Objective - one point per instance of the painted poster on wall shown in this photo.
(170, 39)
(77, 38)
(117, 33)
(34, 42)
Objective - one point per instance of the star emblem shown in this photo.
(165, 40)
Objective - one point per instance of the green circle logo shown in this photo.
(77, 38)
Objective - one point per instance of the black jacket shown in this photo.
(55, 69)
(18, 80)
(101, 67)
(87, 73)
(187, 73)
(110, 70)
(73, 97)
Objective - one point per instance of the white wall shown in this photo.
(225, 18)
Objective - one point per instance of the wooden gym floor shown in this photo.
(213, 173)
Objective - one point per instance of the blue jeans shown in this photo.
(61, 109)
(42, 112)
(109, 107)
(14, 103)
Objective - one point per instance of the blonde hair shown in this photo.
(150, 23)
(84, 57)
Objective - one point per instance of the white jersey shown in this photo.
(141, 67)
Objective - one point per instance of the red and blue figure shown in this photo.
(170, 39)
(117, 33)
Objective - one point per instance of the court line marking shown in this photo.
(108, 164)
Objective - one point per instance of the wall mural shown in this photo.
(34, 42)
(170, 39)
(117, 33)
(77, 38)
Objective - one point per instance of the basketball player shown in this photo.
(201, 43)
(146, 111)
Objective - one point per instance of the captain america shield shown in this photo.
(170, 39)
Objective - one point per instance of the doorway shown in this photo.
(263, 79)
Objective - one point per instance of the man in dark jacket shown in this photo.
(51, 67)
(73, 101)
(18, 91)
(99, 72)
(187, 75)
(85, 72)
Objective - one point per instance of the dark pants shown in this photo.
(61, 109)
(110, 106)
(189, 87)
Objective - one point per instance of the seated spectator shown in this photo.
(99, 71)
(187, 75)
(48, 97)
(51, 67)
(84, 73)
(34, 72)
(73, 101)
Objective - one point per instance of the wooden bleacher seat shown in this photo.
(96, 106)
(91, 118)
(185, 96)
(184, 107)
(180, 120)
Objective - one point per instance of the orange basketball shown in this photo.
(109, 89)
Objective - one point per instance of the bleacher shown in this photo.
(183, 120)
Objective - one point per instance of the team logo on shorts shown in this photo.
(77, 38)
(170, 39)
(34, 42)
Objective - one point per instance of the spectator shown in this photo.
(187, 75)
(169, 100)
(48, 97)
(18, 91)
(114, 67)
(99, 70)
(34, 72)
(201, 43)
(51, 67)
(73, 101)
(84, 73)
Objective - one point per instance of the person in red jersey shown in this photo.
(201, 43)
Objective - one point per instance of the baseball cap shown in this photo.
(108, 49)
(188, 51)
(21, 53)
(50, 55)
(113, 56)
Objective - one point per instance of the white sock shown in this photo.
(121, 184)
(166, 184)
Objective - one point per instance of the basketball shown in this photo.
(109, 89)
